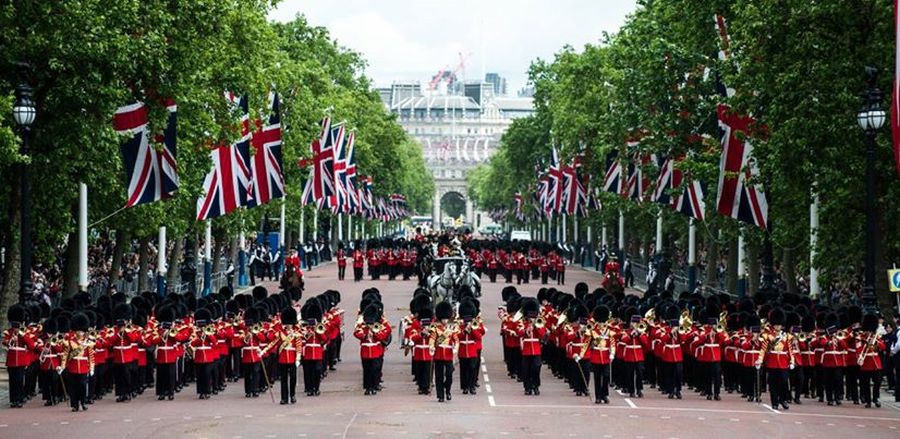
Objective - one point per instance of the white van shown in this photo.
(520, 235)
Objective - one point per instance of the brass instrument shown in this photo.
(841, 334)
(803, 337)
(650, 314)
(722, 324)
(641, 327)
(861, 358)
(320, 328)
(539, 322)
(684, 322)
(374, 327)
(209, 330)
(518, 316)
(562, 320)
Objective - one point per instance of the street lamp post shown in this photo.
(871, 118)
(24, 113)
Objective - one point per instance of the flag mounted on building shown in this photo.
(266, 166)
(151, 174)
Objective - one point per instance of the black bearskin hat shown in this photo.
(123, 311)
(260, 293)
(202, 316)
(601, 313)
(17, 314)
(289, 316)
(870, 322)
(371, 314)
(467, 310)
(443, 310)
(777, 317)
(531, 308)
(80, 322)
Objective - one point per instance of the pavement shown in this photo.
(500, 409)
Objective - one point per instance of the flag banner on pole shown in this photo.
(612, 182)
(151, 174)
(227, 185)
(266, 166)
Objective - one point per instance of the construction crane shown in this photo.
(447, 74)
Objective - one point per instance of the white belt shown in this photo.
(711, 345)
(17, 349)
(200, 348)
(530, 339)
(778, 353)
(834, 352)
(467, 342)
(313, 345)
(751, 352)
(633, 347)
(673, 346)
(577, 344)
(50, 356)
(290, 349)
(600, 349)
(80, 358)
(121, 347)
(165, 348)
(370, 344)
(871, 354)
(250, 348)
(807, 352)
(99, 350)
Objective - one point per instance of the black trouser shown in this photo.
(422, 372)
(443, 377)
(544, 277)
(531, 371)
(633, 377)
(374, 272)
(251, 377)
(49, 383)
(312, 376)
(507, 274)
(712, 377)
(672, 376)
(629, 279)
(601, 380)
(288, 381)
(778, 386)
(852, 375)
(357, 274)
(561, 277)
(579, 374)
(492, 274)
(820, 381)
(370, 373)
(124, 375)
(16, 385)
(797, 379)
(468, 370)
(834, 383)
(392, 272)
(204, 373)
(341, 271)
(514, 361)
(165, 379)
(254, 270)
(77, 385)
(870, 386)
(808, 380)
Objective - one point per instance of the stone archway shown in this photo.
(455, 189)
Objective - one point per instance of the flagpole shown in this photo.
(603, 240)
(741, 269)
(302, 223)
(692, 255)
(242, 257)
(575, 236)
(622, 235)
(83, 280)
(563, 225)
(813, 242)
(659, 232)
(161, 262)
(207, 260)
(281, 231)
(340, 226)
(349, 227)
(315, 223)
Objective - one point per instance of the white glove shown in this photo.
(612, 356)
(577, 358)
(758, 366)
(59, 370)
(791, 367)
(91, 373)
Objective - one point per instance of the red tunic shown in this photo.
(530, 338)
(371, 343)
(470, 341)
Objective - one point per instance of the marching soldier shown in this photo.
(633, 342)
(373, 336)
(166, 339)
(124, 341)
(777, 355)
(870, 347)
(202, 344)
(77, 362)
(251, 359)
(834, 349)
(443, 338)
(341, 260)
(418, 335)
(512, 349)
(289, 345)
(19, 345)
(471, 332)
(671, 337)
(575, 337)
(531, 331)
(50, 347)
(359, 260)
(313, 346)
(711, 338)
(600, 349)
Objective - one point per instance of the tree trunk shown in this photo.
(731, 268)
(789, 270)
(174, 265)
(70, 267)
(753, 267)
(143, 262)
(712, 259)
(123, 241)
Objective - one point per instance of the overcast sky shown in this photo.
(413, 39)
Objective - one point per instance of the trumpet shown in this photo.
(841, 334)
(539, 322)
(375, 327)
(320, 328)
(803, 337)
(641, 327)
(210, 330)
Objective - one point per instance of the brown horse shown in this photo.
(291, 278)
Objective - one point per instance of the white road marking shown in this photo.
(483, 368)
(734, 420)
(630, 403)
(97, 421)
(860, 426)
(63, 423)
(126, 420)
(347, 428)
(771, 409)
(487, 388)
(491, 401)
(487, 379)
(155, 419)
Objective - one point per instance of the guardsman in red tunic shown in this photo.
(777, 356)
(373, 334)
(49, 348)
(531, 332)
(512, 349)
(202, 345)
(341, 257)
(417, 335)
(833, 359)
(313, 333)
(359, 260)
(633, 341)
(870, 347)
(560, 270)
(600, 349)
(78, 362)
(711, 337)
(544, 267)
(407, 261)
(443, 339)
(19, 344)
(167, 338)
(374, 261)
(391, 262)
(574, 337)
(123, 344)
(671, 357)
(491, 262)
(288, 343)
(471, 332)
(251, 351)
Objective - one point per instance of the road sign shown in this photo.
(894, 276)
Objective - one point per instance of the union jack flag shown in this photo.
(613, 180)
(574, 192)
(227, 185)
(353, 200)
(320, 185)
(520, 214)
(739, 194)
(268, 179)
(688, 193)
(151, 174)
(555, 188)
